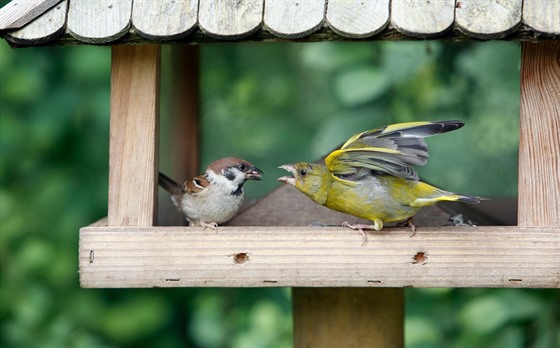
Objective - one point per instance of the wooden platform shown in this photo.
(505, 257)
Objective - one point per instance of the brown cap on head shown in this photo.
(226, 162)
(252, 172)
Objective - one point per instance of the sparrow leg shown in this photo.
(377, 226)
(211, 225)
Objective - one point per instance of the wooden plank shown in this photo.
(485, 19)
(228, 19)
(186, 111)
(99, 21)
(293, 18)
(351, 317)
(16, 14)
(134, 132)
(505, 257)
(542, 16)
(422, 18)
(357, 18)
(183, 149)
(165, 19)
(539, 140)
(44, 28)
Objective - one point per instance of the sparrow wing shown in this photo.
(392, 149)
(196, 185)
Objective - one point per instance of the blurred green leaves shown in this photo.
(360, 85)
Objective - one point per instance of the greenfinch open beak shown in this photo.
(288, 179)
(253, 173)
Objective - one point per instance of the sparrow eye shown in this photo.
(303, 172)
(242, 167)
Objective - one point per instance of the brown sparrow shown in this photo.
(214, 197)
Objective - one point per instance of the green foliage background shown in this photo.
(271, 104)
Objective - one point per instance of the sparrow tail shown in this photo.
(170, 185)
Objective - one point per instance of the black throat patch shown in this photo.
(239, 190)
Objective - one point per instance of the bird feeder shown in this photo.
(342, 291)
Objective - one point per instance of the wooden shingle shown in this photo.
(200, 21)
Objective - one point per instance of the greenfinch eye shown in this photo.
(303, 172)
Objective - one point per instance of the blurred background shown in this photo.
(271, 104)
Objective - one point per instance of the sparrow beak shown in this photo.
(253, 173)
(288, 179)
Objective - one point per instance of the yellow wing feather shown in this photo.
(392, 149)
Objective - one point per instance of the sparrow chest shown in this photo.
(211, 205)
(370, 198)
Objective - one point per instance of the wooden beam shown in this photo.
(186, 111)
(133, 160)
(539, 140)
(319, 257)
(179, 151)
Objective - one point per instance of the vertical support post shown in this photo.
(539, 140)
(181, 144)
(348, 317)
(185, 112)
(134, 135)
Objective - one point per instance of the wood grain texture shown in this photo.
(422, 18)
(357, 18)
(182, 149)
(293, 18)
(230, 19)
(542, 15)
(99, 21)
(323, 33)
(539, 140)
(164, 19)
(16, 14)
(485, 19)
(319, 257)
(134, 132)
(348, 317)
(44, 28)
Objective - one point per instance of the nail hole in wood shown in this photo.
(241, 258)
(420, 258)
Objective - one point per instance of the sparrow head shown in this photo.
(307, 177)
(232, 172)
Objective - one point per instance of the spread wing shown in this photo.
(392, 149)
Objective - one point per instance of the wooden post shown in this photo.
(185, 112)
(348, 317)
(182, 134)
(539, 140)
(133, 157)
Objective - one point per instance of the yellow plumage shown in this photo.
(372, 176)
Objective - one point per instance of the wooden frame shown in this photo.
(133, 166)
(323, 264)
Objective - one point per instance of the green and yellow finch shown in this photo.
(371, 175)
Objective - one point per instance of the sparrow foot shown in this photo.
(211, 225)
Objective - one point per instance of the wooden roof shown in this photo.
(55, 22)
